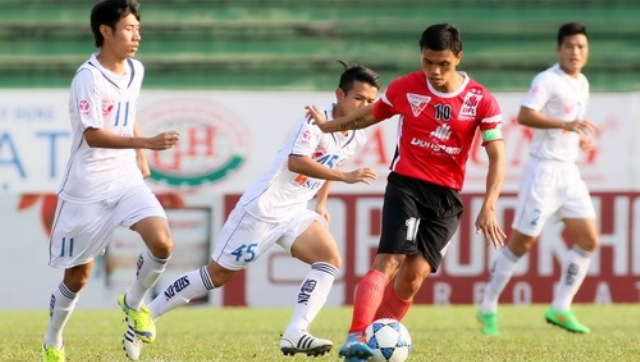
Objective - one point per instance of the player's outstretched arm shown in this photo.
(534, 119)
(99, 138)
(486, 222)
(365, 175)
(306, 166)
(358, 119)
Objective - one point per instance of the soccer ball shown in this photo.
(389, 339)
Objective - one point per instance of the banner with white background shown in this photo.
(229, 138)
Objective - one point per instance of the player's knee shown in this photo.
(161, 245)
(76, 280)
(408, 287)
(521, 245)
(334, 259)
(388, 263)
(589, 244)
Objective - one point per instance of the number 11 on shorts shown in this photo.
(69, 246)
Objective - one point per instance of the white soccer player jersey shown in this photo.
(101, 99)
(557, 95)
(279, 192)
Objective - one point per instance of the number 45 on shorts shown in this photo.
(245, 252)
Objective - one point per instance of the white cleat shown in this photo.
(303, 342)
(131, 344)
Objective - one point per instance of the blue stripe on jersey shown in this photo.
(133, 73)
(104, 75)
(126, 113)
(117, 115)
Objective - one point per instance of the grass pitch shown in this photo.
(240, 334)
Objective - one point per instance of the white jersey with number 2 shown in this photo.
(557, 95)
(279, 193)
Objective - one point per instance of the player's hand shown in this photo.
(581, 126)
(322, 211)
(365, 175)
(487, 224)
(316, 117)
(164, 140)
(587, 144)
(143, 165)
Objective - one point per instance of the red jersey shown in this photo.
(436, 129)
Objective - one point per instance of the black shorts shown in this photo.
(418, 216)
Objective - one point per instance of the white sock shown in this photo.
(311, 297)
(501, 272)
(180, 291)
(63, 301)
(574, 269)
(149, 271)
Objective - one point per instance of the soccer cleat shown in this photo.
(140, 321)
(131, 344)
(51, 354)
(488, 323)
(304, 343)
(566, 320)
(355, 348)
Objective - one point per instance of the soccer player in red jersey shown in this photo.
(440, 109)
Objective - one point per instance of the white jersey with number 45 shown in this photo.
(279, 192)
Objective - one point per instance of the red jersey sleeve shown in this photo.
(385, 108)
(490, 117)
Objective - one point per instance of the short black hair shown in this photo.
(569, 29)
(441, 37)
(109, 12)
(357, 73)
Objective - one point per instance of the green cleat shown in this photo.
(51, 354)
(139, 320)
(488, 323)
(566, 320)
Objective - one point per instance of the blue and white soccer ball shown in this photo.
(389, 339)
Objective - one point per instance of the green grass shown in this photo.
(239, 334)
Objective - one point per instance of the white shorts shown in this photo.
(550, 189)
(83, 231)
(244, 238)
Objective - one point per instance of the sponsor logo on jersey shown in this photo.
(418, 103)
(468, 111)
(436, 147)
(107, 106)
(443, 132)
(213, 141)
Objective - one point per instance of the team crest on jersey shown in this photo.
(83, 106)
(418, 102)
(306, 137)
(107, 106)
(468, 111)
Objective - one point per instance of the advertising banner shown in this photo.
(229, 138)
